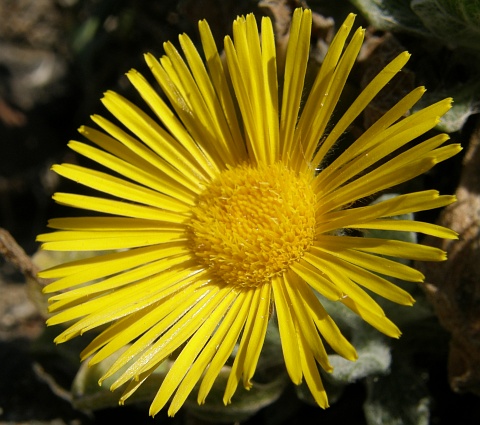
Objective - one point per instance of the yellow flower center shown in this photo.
(251, 223)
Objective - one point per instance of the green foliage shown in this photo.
(374, 355)
(391, 15)
(454, 22)
(399, 398)
(465, 103)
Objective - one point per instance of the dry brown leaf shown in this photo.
(377, 51)
(454, 286)
(280, 11)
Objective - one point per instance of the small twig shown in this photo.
(52, 384)
(14, 253)
(454, 286)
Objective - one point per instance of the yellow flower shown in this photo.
(222, 210)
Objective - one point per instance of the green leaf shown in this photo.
(373, 359)
(465, 103)
(373, 348)
(244, 403)
(85, 34)
(456, 22)
(391, 15)
(399, 398)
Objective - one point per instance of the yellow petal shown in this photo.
(362, 101)
(371, 262)
(381, 323)
(388, 175)
(338, 173)
(335, 89)
(131, 275)
(288, 334)
(142, 175)
(262, 315)
(81, 271)
(109, 223)
(232, 321)
(107, 240)
(227, 345)
(326, 326)
(402, 204)
(314, 118)
(156, 320)
(120, 208)
(317, 280)
(224, 141)
(140, 150)
(116, 332)
(377, 284)
(295, 66)
(219, 81)
(375, 134)
(99, 311)
(304, 323)
(187, 358)
(408, 226)
(119, 187)
(256, 324)
(171, 122)
(244, 101)
(152, 134)
(269, 64)
(205, 123)
(310, 371)
(177, 335)
(378, 246)
(333, 268)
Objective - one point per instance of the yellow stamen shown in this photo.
(251, 223)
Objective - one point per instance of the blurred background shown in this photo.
(57, 57)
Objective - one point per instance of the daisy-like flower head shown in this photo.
(220, 210)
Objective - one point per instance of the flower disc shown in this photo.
(251, 223)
